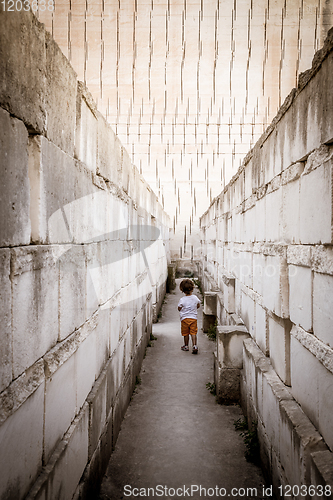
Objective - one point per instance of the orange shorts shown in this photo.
(189, 326)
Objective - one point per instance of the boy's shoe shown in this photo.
(195, 350)
(184, 347)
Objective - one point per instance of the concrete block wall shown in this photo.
(273, 227)
(84, 254)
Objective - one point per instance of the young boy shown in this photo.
(188, 310)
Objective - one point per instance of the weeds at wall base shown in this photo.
(212, 331)
(151, 339)
(250, 437)
(212, 388)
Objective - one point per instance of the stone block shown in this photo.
(126, 311)
(93, 279)
(101, 206)
(300, 296)
(229, 362)
(298, 439)
(237, 227)
(301, 255)
(228, 287)
(291, 212)
(230, 345)
(60, 97)
(323, 307)
(126, 169)
(125, 263)
(128, 347)
(304, 383)
(21, 437)
(260, 220)
(259, 262)
(15, 186)
(277, 473)
(120, 405)
(61, 211)
(262, 337)
(292, 173)
(113, 382)
(248, 376)
(120, 355)
(134, 334)
(220, 311)
(34, 304)
(108, 150)
(6, 320)
(114, 327)
(276, 285)
(103, 260)
(72, 289)
(60, 405)
(248, 313)
(86, 128)
(249, 226)
(245, 271)
(23, 68)
(265, 451)
(321, 259)
(270, 411)
(66, 466)
(37, 198)
(262, 367)
(312, 387)
(321, 473)
(325, 384)
(228, 387)
(133, 183)
(89, 486)
(279, 347)
(210, 303)
(83, 209)
(208, 320)
(274, 204)
(264, 386)
(316, 205)
(238, 297)
(71, 465)
(85, 359)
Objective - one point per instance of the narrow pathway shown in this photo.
(174, 434)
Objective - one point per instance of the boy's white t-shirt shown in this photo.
(189, 309)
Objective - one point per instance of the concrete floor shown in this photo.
(174, 434)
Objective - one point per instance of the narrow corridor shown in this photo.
(174, 434)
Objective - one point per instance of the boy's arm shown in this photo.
(198, 305)
(180, 307)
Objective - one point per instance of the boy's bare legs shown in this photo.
(194, 339)
(186, 339)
